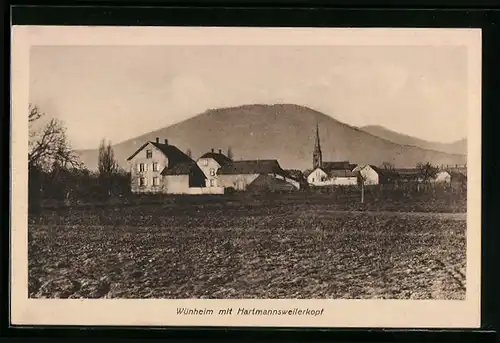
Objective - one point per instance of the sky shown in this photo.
(118, 93)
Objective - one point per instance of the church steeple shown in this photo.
(317, 158)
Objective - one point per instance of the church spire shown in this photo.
(317, 158)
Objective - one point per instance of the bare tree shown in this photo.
(427, 172)
(107, 163)
(49, 152)
(48, 143)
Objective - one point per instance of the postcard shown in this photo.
(271, 177)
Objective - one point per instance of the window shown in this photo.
(205, 162)
(156, 167)
(149, 154)
(142, 167)
(156, 181)
(143, 181)
(212, 182)
(212, 172)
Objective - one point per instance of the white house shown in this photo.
(162, 168)
(442, 177)
(333, 173)
(210, 163)
(369, 173)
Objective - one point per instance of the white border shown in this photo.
(338, 313)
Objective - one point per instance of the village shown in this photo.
(160, 167)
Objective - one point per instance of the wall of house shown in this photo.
(176, 184)
(205, 190)
(237, 181)
(442, 177)
(148, 174)
(206, 165)
(317, 177)
(320, 178)
(370, 175)
(345, 181)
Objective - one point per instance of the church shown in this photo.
(338, 173)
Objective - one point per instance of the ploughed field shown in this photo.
(285, 250)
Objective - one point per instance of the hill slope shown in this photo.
(458, 147)
(284, 132)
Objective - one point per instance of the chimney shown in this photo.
(166, 141)
(157, 140)
(212, 149)
(220, 151)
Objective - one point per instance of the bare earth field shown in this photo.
(223, 251)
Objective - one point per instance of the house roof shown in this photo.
(219, 158)
(407, 171)
(251, 167)
(337, 165)
(182, 168)
(384, 172)
(268, 181)
(342, 173)
(173, 154)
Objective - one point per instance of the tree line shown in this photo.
(55, 172)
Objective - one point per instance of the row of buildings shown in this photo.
(345, 173)
(159, 167)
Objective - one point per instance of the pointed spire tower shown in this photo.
(317, 156)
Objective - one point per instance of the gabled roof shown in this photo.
(251, 167)
(407, 171)
(337, 165)
(219, 158)
(182, 168)
(173, 154)
(342, 173)
(384, 171)
(270, 182)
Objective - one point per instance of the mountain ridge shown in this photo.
(456, 147)
(258, 131)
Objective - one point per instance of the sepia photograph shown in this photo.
(199, 169)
